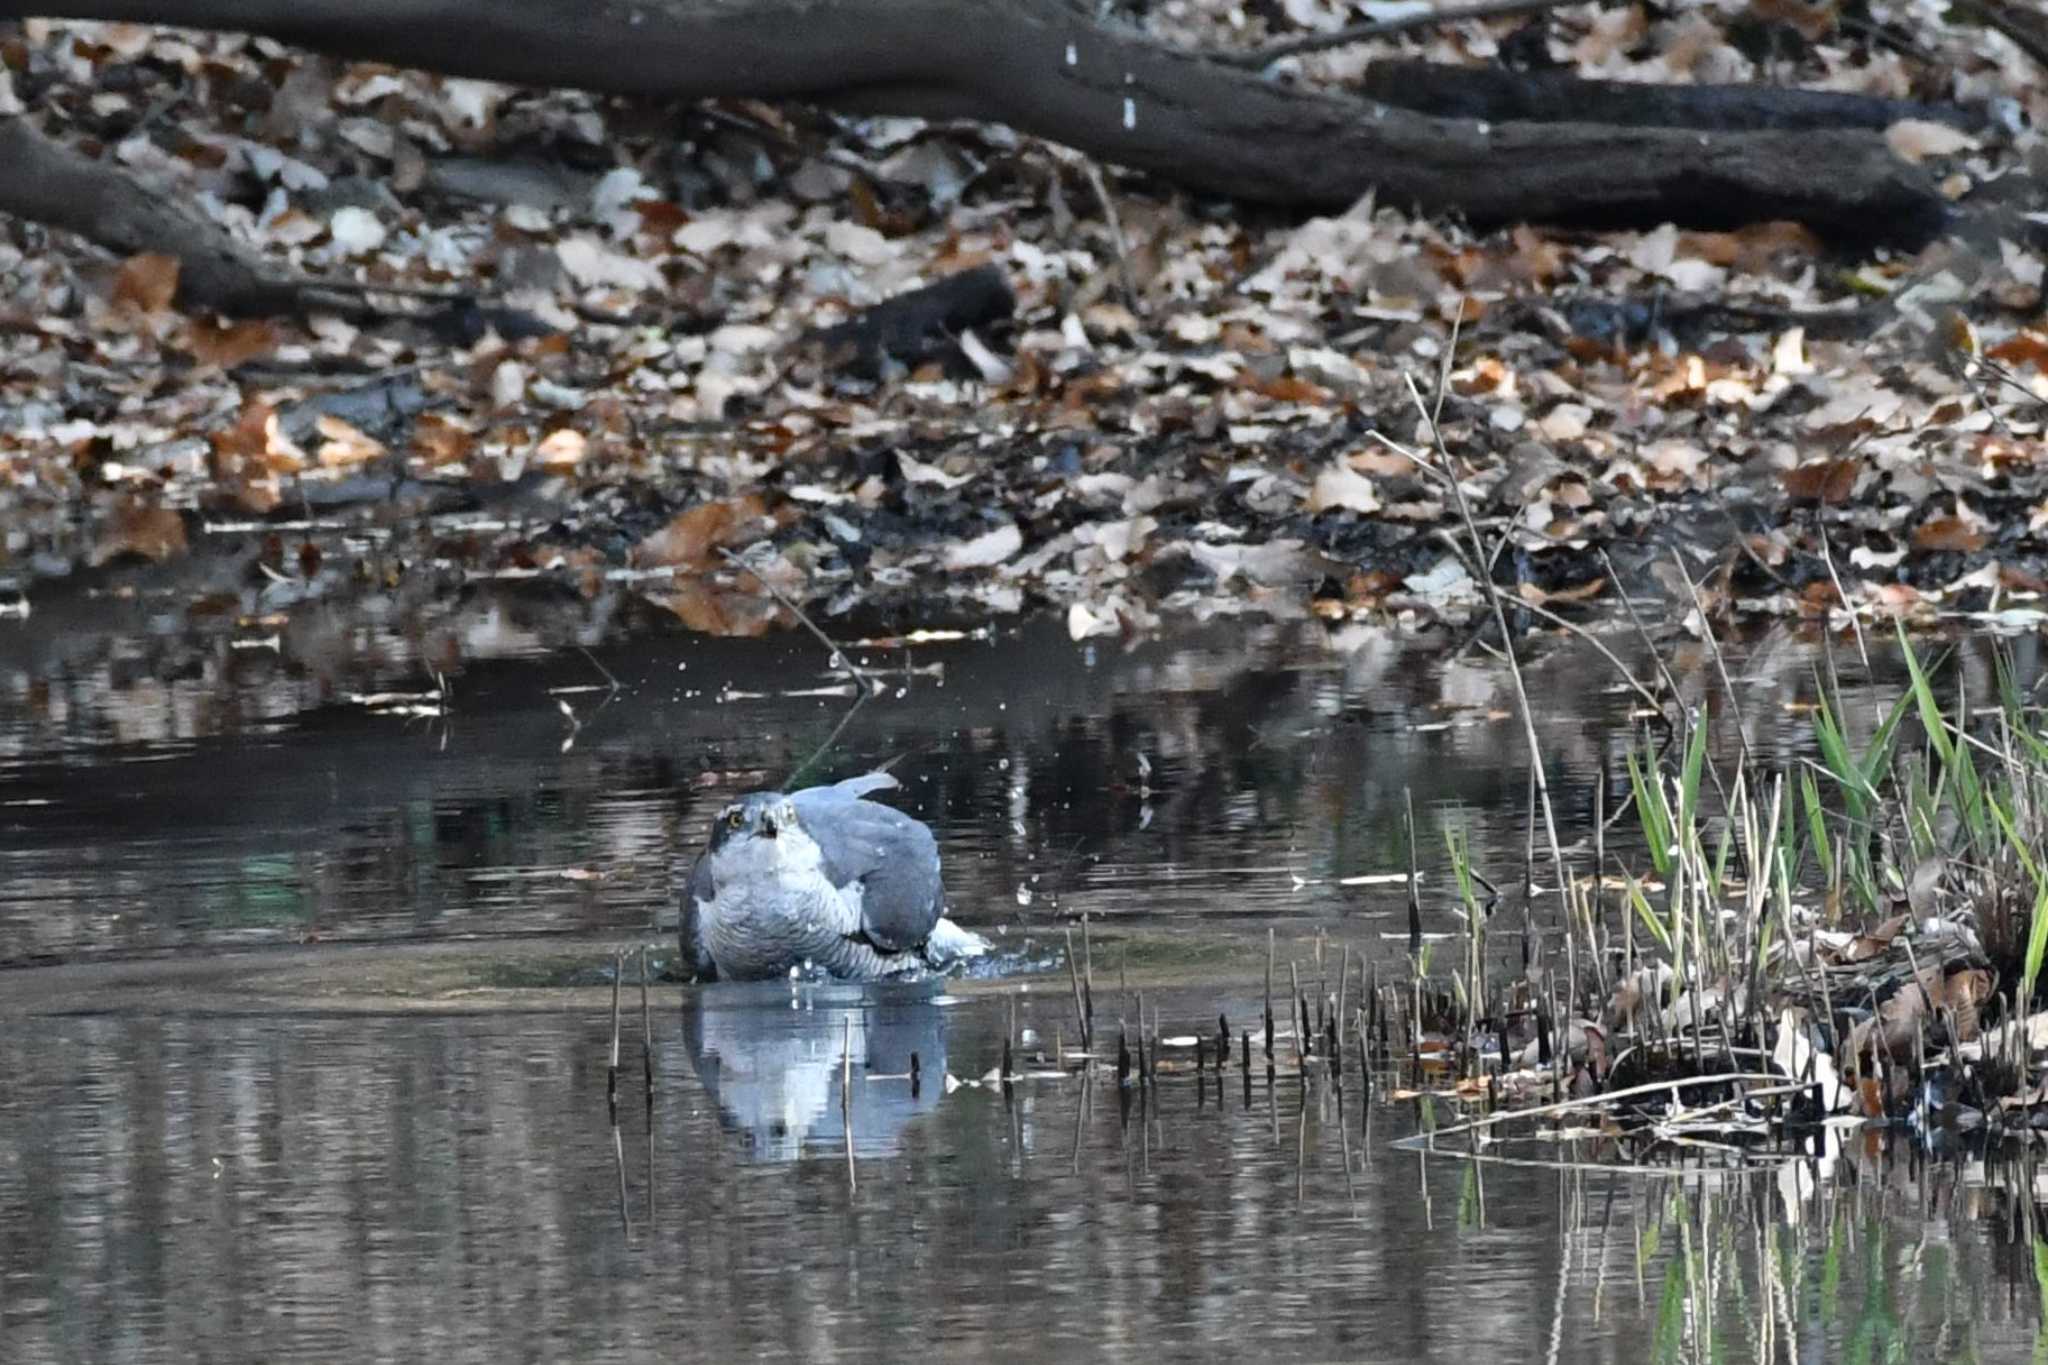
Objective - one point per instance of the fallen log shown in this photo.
(1503, 96)
(48, 182)
(1057, 72)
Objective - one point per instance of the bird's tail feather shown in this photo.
(949, 943)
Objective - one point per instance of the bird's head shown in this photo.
(762, 825)
(759, 814)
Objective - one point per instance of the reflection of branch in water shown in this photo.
(836, 655)
(846, 1102)
(789, 783)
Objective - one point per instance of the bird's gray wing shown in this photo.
(857, 786)
(892, 857)
(696, 952)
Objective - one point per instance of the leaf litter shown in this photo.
(601, 360)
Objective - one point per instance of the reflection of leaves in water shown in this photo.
(267, 891)
(1469, 1199)
(1670, 1336)
(2041, 1284)
(1875, 1322)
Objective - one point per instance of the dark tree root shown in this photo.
(48, 182)
(1051, 69)
(1502, 96)
(919, 323)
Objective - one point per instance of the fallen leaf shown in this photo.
(1084, 621)
(343, 446)
(1339, 486)
(985, 550)
(917, 471)
(692, 539)
(1871, 942)
(2023, 348)
(561, 449)
(1949, 533)
(150, 532)
(355, 231)
(147, 282)
(1915, 140)
(1822, 481)
(255, 443)
(713, 610)
(440, 440)
(230, 344)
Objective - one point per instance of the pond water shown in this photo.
(305, 1022)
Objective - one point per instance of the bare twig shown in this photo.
(1714, 648)
(838, 657)
(1827, 557)
(1493, 597)
(1116, 234)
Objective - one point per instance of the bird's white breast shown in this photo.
(775, 909)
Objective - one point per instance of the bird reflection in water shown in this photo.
(772, 1054)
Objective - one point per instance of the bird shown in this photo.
(820, 879)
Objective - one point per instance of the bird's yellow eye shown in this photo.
(733, 819)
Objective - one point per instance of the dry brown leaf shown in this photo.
(1822, 481)
(1535, 258)
(1578, 592)
(231, 344)
(561, 449)
(705, 607)
(147, 282)
(1904, 1019)
(1872, 942)
(1814, 22)
(255, 445)
(2023, 348)
(155, 533)
(1949, 533)
(1754, 249)
(343, 446)
(693, 538)
(439, 440)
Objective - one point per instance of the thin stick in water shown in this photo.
(846, 1099)
(1080, 1013)
(611, 1079)
(646, 1029)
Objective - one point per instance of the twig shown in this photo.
(614, 682)
(1643, 632)
(1500, 618)
(1116, 235)
(1714, 649)
(1385, 28)
(646, 1029)
(1827, 557)
(1080, 1013)
(1641, 689)
(611, 1080)
(846, 1103)
(839, 658)
(1421, 1141)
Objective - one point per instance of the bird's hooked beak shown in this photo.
(781, 818)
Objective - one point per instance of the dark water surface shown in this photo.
(283, 1079)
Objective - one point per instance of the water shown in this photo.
(306, 1024)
